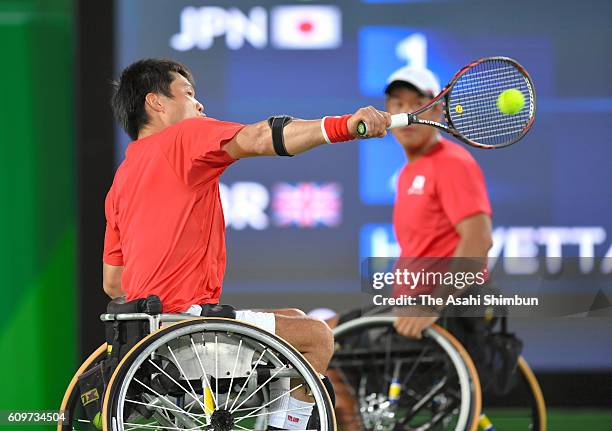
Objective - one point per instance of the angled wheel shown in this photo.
(210, 374)
(75, 418)
(397, 383)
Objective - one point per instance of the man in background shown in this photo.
(442, 207)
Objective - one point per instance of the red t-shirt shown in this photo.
(434, 193)
(164, 220)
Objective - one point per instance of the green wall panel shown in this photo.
(37, 205)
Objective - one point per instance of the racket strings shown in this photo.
(480, 93)
(473, 108)
(483, 121)
(482, 104)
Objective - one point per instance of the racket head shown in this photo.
(471, 107)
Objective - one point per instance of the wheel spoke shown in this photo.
(178, 364)
(216, 368)
(275, 411)
(205, 376)
(414, 366)
(164, 409)
(233, 374)
(166, 399)
(139, 425)
(158, 427)
(262, 385)
(248, 378)
(191, 394)
(270, 402)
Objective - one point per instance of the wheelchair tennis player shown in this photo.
(165, 232)
(441, 210)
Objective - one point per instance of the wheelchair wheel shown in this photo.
(210, 374)
(523, 407)
(397, 383)
(75, 418)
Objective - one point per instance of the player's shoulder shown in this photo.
(193, 128)
(194, 123)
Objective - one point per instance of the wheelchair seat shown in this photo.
(152, 305)
(149, 305)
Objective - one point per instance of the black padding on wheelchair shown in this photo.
(149, 305)
(123, 335)
(218, 310)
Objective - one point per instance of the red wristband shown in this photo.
(335, 129)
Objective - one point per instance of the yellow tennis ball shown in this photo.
(97, 421)
(510, 101)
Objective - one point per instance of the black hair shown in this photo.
(136, 81)
(403, 84)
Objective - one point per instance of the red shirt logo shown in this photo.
(418, 185)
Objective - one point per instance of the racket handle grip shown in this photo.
(397, 120)
(400, 120)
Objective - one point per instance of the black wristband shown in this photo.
(277, 124)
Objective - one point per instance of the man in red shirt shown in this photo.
(442, 208)
(165, 232)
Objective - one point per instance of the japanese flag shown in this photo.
(306, 27)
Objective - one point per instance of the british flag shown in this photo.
(307, 204)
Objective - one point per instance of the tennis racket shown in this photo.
(471, 110)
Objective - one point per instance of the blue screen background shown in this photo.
(557, 176)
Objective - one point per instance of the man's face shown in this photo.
(406, 99)
(182, 104)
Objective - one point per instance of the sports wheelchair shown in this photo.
(386, 382)
(175, 372)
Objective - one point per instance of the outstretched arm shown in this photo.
(301, 135)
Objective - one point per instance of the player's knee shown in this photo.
(292, 312)
(322, 339)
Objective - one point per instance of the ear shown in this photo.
(153, 101)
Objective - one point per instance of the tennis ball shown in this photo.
(510, 101)
(97, 421)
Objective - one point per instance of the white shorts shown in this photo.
(260, 319)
